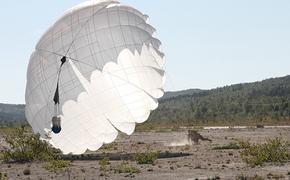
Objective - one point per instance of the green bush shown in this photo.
(25, 146)
(56, 165)
(148, 157)
(104, 164)
(125, 167)
(244, 144)
(274, 150)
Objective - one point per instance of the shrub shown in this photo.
(274, 150)
(125, 167)
(104, 164)
(148, 157)
(244, 144)
(56, 165)
(25, 146)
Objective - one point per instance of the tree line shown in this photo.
(267, 100)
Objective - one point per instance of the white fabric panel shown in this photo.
(112, 79)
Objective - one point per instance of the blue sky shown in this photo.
(208, 43)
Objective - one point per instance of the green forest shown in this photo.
(266, 101)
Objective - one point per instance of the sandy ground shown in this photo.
(202, 163)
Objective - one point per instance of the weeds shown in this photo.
(148, 157)
(244, 144)
(56, 165)
(104, 164)
(274, 150)
(125, 167)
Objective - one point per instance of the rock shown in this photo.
(150, 169)
(26, 172)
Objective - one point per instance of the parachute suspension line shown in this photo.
(56, 95)
(56, 120)
(75, 60)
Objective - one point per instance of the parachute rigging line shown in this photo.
(89, 65)
(56, 121)
(56, 94)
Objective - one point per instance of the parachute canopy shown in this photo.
(98, 70)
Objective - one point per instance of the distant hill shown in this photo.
(11, 113)
(258, 101)
(264, 100)
(172, 94)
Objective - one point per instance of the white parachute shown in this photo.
(98, 70)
